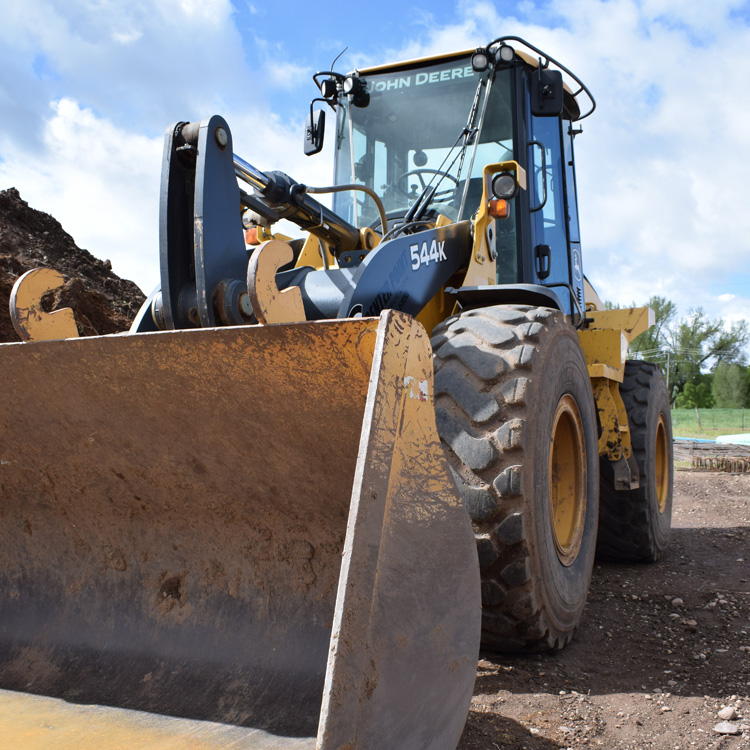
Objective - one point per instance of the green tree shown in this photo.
(729, 387)
(655, 340)
(695, 395)
(689, 346)
(696, 342)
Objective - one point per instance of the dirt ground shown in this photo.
(661, 650)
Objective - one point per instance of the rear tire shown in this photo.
(515, 411)
(634, 525)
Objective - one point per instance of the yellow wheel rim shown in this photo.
(567, 480)
(661, 464)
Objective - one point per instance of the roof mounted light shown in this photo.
(480, 60)
(356, 87)
(328, 88)
(505, 54)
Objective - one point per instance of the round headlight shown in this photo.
(504, 185)
(349, 84)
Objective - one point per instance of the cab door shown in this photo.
(555, 242)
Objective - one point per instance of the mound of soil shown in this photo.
(101, 300)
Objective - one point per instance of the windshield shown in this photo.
(413, 133)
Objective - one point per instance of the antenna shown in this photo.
(339, 55)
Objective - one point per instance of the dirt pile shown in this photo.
(102, 301)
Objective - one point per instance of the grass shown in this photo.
(713, 422)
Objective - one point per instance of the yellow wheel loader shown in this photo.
(248, 522)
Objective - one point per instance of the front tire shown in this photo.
(515, 410)
(634, 525)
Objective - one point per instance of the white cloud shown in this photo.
(281, 74)
(661, 163)
(214, 12)
(102, 182)
(126, 37)
(90, 88)
(280, 71)
(137, 60)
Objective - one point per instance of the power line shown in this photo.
(679, 355)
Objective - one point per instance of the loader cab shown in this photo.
(437, 122)
(413, 132)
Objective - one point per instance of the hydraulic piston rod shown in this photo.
(280, 192)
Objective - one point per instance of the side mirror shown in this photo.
(546, 93)
(315, 129)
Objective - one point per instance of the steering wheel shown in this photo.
(420, 173)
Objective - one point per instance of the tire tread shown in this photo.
(626, 531)
(493, 351)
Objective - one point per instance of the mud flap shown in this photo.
(235, 537)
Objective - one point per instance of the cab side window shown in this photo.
(547, 197)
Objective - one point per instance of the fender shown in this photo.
(506, 294)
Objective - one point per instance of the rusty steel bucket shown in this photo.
(236, 537)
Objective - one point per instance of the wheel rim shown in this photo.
(661, 464)
(567, 480)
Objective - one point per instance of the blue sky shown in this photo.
(88, 88)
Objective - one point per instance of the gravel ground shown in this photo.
(661, 651)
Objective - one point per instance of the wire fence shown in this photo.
(711, 422)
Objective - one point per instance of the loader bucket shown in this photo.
(235, 537)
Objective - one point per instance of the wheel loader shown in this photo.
(285, 508)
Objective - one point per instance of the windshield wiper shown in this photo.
(468, 134)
